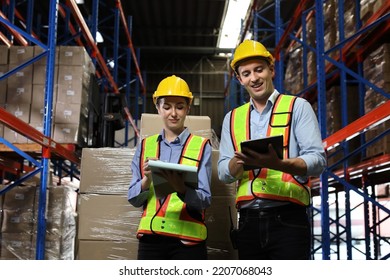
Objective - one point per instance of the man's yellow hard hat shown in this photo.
(172, 86)
(248, 49)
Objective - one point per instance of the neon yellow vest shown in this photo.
(171, 218)
(271, 184)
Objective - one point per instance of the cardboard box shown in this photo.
(107, 217)
(36, 114)
(66, 113)
(16, 246)
(21, 111)
(198, 125)
(72, 133)
(20, 54)
(17, 94)
(67, 134)
(40, 75)
(73, 76)
(20, 197)
(4, 54)
(3, 84)
(22, 77)
(14, 137)
(18, 221)
(107, 250)
(73, 55)
(106, 170)
(38, 50)
(38, 103)
(57, 247)
(73, 94)
(37, 126)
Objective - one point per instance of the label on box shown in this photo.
(18, 113)
(15, 220)
(67, 113)
(70, 92)
(19, 196)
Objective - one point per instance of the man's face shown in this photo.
(256, 76)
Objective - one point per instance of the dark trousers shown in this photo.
(279, 233)
(156, 247)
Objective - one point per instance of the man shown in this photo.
(273, 198)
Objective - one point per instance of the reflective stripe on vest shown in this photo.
(271, 184)
(171, 218)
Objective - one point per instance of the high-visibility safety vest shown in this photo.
(268, 183)
(171, 217)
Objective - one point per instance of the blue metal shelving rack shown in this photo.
(69, 159)
(336, 239)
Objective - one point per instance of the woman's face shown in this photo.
(173, 111)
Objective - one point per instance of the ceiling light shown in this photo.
(99, 37)
(80, 2)
(232, 22)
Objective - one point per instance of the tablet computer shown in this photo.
(261, 146)
(161, 186)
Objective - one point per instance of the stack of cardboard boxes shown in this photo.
(107, 223)
(376, 68)
(74, 80)
(23, 93)
(19, 89)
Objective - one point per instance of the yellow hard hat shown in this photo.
(172, 86)
(248, 49)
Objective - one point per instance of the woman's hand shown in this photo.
(147, 179)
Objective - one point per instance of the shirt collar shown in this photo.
(179, 139)
(270, 101)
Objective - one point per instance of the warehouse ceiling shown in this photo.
(176, 25)
(160, 28)
(168, 27)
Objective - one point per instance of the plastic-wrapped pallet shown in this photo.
(19, 226)
(107, 222)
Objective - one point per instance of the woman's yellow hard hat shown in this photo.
(172, 86)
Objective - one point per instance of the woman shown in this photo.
(172, 227)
